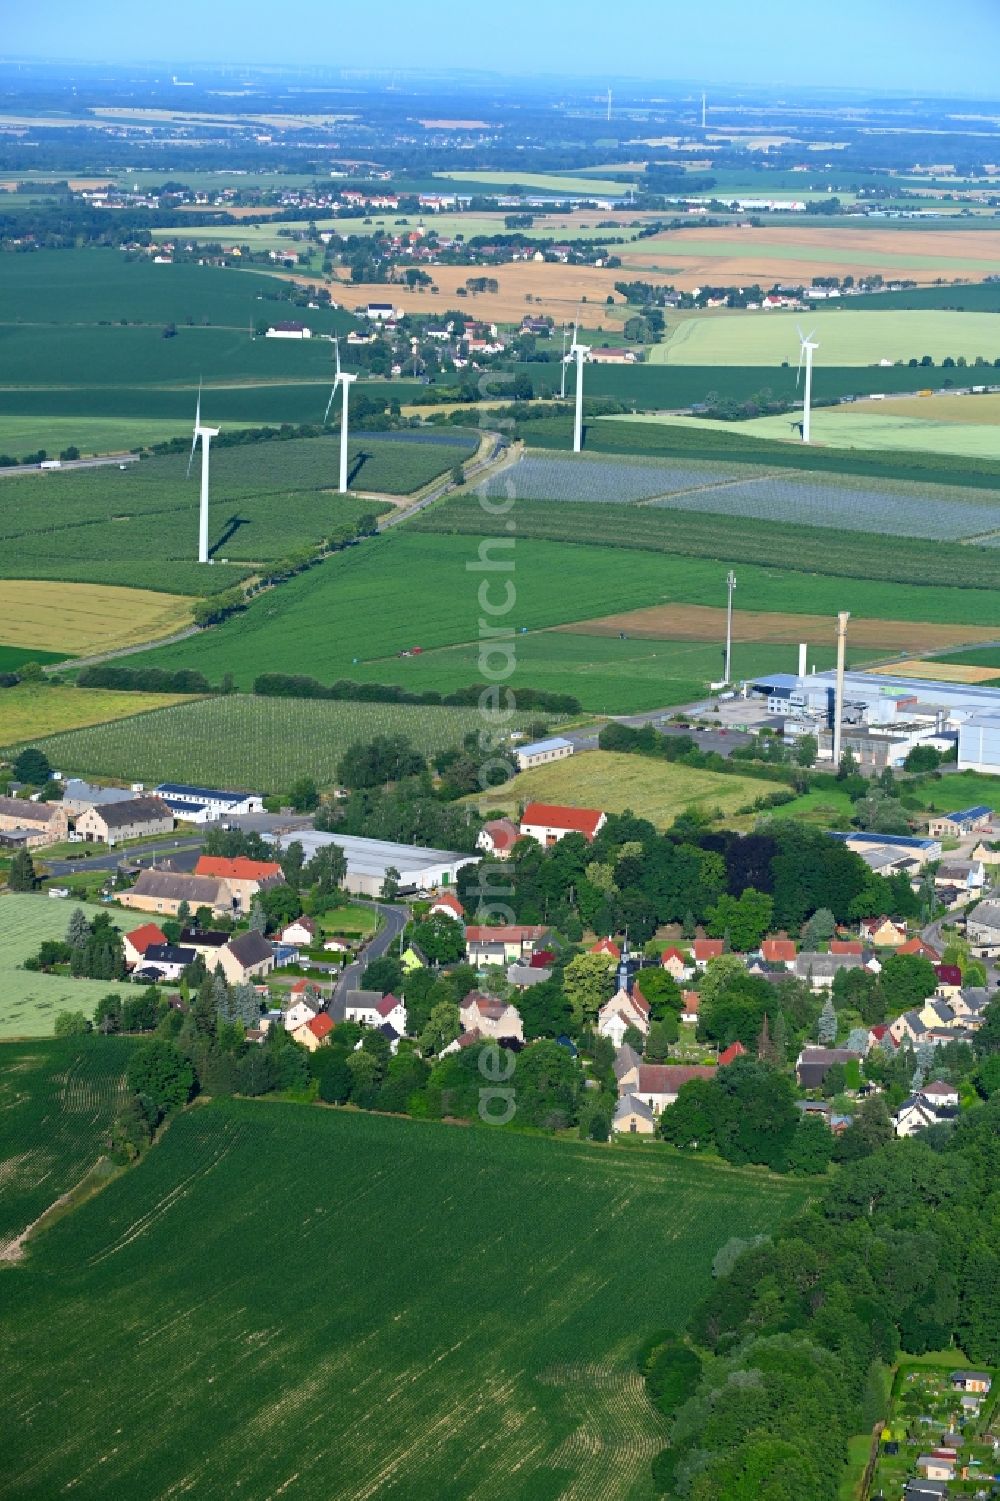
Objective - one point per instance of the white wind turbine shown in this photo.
(578, 352)
(343, 380)
(206, 434)
(562, 382)
(807, 348)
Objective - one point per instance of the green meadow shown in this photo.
(844, 336)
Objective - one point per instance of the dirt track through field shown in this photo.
(707, 623)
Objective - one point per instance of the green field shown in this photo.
(98, 285)
(13, 657)
(413, 588)
(57, 1101)
(846, 427)
(439, 1321)
(269, 236)
(845, 337)
(267, 501)
(607, 675)
(30, 1003)
(259, 743)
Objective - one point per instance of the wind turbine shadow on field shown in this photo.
(360, 460)
(232, 526)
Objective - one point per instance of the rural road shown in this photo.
(109, 460)
(186, 850)
(394, 920)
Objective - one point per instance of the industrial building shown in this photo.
(368, 861)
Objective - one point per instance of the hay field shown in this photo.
(141, 1358)
(679, 622)
(524, 287)
(794, 252)
(845, 336)
(82, 618)
(942, 672)
(24, 434)
(970, 410)
(657, 790)
(29, 711)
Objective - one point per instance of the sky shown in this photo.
(911, 45)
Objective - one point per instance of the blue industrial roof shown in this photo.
(207, 794)
(556, 743)
(904, 841)
(970, 815)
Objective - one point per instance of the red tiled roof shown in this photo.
(729, 1055)
(777, 950)
(672, 953)
(846, 946)
(450, 900)
(541, 959)
(557, 816)
(320, 1026)
(387, 1005)
(872, 925)
(502, 833)
(918, 946)
(708, 948)
(238, 869)
(691, 1000)
(667, 1078)
(948, 974)
(301, 922)
(142, 938)
(606, 946)
(639, 1000)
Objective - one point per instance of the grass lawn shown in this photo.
(29, 712)
(81, 618)
(429, 1384)
(962, 789)
(657, 790)
(349, 920)
(845, 337)
(825, 809)
(29, 1003)
(21, 435)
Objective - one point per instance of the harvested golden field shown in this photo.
(781, 253)
(32, 711)
(83, 618)
(942, 672)
(708, 623)
(981, 410)
(525, 287)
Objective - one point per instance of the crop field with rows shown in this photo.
(414, 587)
(57, 1101)
(443, 1326)
(267, 500)
(893, 509)
(30, 1002)
(31, 710)
(258, 743)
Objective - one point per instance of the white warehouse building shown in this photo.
(979, 743)
(369, 859)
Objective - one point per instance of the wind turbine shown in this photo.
(578, 352)
(343, 380)
(807, 348)
(562, 383)
(206, 434)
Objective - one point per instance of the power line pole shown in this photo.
(731, 585)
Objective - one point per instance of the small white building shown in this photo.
(370, 1008)
(541, 752)
(288, 331)
(204, 804)
(381, 312)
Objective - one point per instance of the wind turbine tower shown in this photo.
(579, 352)
(730, 585)
(562, 382)
(343, 380)
(206, 434)
(838, 702)
(807, 348)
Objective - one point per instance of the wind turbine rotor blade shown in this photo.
(194, 445)
(336, 355)
(329, 404)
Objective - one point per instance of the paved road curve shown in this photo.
(394, 920)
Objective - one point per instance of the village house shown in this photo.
(447, 904)
(883, 933)
(139, 940)
(246, 956)
(45, 823)
(982, 928)
(814, 1063)
(164, 961)
(165, 891)
(729, 1055)
(607, 948)
(968, 875)
(78, 795)
(205, 804)
(304, 1002)
(550, 822)
(626, 1008)
(971, 1381)
(819, 970)
(940, 1465)
(498, 838)
(510, 944)
(135, 819)
(690, 1006)
(676, 964)
(488, 1017)
(920, 946)
(659, 1084)
(846, 946)
(300, 934)
(371, 1008)
(626, 1068)
(705, 949)
(244, 878)
(312, 1033)
(634, 1117)
(778, 951)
